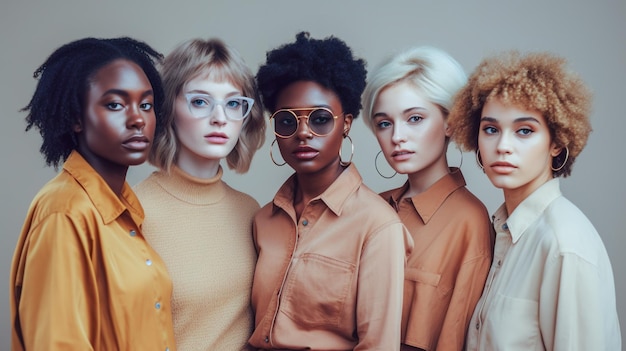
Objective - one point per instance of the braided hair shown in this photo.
(59, 100)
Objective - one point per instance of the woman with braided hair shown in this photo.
(83, 277)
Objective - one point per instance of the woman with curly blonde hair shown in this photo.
(550, 286)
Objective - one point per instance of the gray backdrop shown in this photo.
(589, 34)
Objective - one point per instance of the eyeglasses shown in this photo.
(236, 108)
(319, 120)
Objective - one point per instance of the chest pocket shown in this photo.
(316, 291)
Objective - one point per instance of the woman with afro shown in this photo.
(83, 277)
(550, 286)
(331, 252)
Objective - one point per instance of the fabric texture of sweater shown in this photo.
(202, 230)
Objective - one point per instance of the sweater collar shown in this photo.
(190, 189)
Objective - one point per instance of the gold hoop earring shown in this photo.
(377, 170)
(347, 163)
(564, 162)
(272, 156)
(460, 152)
(479, 161)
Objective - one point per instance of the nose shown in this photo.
(303, 132)
(398, 134)
(504, 145)
(218, 116)
(135, 119)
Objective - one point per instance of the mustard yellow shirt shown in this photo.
(333, 279)
(83, 277)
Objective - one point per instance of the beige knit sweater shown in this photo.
(202, 228)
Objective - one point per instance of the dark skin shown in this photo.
(118, 124)
(315, 159)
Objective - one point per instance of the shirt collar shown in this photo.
(106, 202)
(334, 197)
(428, 202)
(528, 211)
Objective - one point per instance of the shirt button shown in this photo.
(477, 326)
(499, 263)
(505, 227)
(132, 232)
(157, 305)
(305, 222)
(267, 339)
(148, 262)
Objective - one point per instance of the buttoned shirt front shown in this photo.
(446, 271)
(550, 286)
(333, 279)
(83, 277)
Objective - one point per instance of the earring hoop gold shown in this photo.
(377, 170)
(564, 161)
(460, 152)
(347, 163)
(479, 161)
(272, 156)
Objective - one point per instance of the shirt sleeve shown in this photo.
(571, 307)
(57, 304)
(380, 289)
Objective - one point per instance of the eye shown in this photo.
(320, 117)
(234, 104)
(199, 101)
(383, 125)
(490, 130)
(114, 106)
(414, 119)
(525, 131)
(285, 119)
(146, 106)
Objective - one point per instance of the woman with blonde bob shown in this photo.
(199, 225)
(550, 286)
(406, 105)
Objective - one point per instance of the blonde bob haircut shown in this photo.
(218, 62)
(534, 81)
(431, 70)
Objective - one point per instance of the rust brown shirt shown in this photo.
(333, 279)
(448, 267)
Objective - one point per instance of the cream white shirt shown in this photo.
(550, 286)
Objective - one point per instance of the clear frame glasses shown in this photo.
(236, 108)
(319, 120)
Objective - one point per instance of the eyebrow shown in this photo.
(383, 114)
(517, 120)
(204, 92)
(126, 94)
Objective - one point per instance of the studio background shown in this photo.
(591, 35)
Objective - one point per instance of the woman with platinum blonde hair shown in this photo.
(550, 286)
(199, 225)
(406, 104)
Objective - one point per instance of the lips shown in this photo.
(502, 167)
(401, 155)
(216, 138)
(305, 153)
(137, 142)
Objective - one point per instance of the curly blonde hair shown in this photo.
(534, 81)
